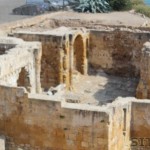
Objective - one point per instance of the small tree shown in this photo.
(93, 6)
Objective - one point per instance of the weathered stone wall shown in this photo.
(58, 54)
(117, 51)
(119, 129)
(20, 55)
(46, 123)
(51, 59)
(140, 125)
(143, 89)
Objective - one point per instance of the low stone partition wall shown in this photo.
(35, 121)
(119, 126)
(140, 125)
(43, 122)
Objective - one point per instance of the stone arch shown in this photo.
(79, 55)
(24, 79)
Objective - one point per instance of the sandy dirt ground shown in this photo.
(113, 18)
(90, 21)
(101, 88)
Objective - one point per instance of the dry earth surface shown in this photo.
(90, 21)
(101, 88)
(113, 18)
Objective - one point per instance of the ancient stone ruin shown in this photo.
(74, 88)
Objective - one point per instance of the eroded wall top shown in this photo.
(17, 54)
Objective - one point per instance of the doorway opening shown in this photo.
(79, 54)
(23, 80)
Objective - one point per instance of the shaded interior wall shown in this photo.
(143, 89)
(79, 54)
(44, 124)
(140, 125)
(51, 62)
(117, 52)
(119, 131)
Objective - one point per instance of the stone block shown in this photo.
(85, 144)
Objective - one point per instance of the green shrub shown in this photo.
(120, 4)
(107, 5)
(143, 9)
(93, 6)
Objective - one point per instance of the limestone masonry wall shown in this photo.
(50, 64)
(117, 51)
(119, 129)
(143, 89)
(140, 125)
(60, 52)
(20, 55)
(46, 125)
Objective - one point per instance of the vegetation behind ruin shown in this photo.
(101, 6)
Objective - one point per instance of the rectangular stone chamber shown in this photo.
(57, 55)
